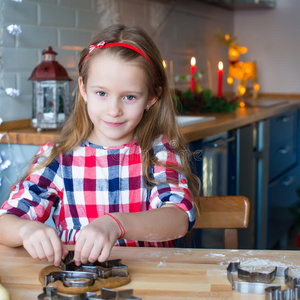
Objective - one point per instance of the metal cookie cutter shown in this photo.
(251, 282)
(261, 283)
(50, 293)
(85, 275)
(275, 293)
(291, 293)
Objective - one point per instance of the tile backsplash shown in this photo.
(181, 29)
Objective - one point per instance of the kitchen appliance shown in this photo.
(214, 162)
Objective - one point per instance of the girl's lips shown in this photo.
(113, 124)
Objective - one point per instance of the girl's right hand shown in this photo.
(42, 242)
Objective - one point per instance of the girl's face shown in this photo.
(117, 96)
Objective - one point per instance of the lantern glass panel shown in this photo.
(50, 103)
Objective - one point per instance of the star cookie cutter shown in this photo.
(50, 293)
(85, 275)
(244, 281)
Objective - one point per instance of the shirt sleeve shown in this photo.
(33, 197)
(174, 187)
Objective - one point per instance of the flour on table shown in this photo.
(260, 265)
(215, 255)
(294, 272)
(161, 264)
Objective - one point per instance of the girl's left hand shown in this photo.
(96, 240)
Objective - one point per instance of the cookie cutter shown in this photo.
(244, 281)
(50, 293)
(85, 275)
(275, 293)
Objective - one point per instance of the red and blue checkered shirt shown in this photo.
(93, 180)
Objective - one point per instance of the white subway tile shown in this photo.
(68, 26)
(66, 58)
(8, 39)
(20, 13)
(88, 20)
(9, 79)
(50, 2)
(25, 85)
(19, 59)
(18, 108)
(79, 4)
(50, 15)
(37, 37)
(73, 38)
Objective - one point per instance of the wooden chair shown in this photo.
(224, 212)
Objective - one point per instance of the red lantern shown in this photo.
(50, 97)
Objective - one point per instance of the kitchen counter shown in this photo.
(20, 132)
(156, 273)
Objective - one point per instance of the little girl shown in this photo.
(119, 172)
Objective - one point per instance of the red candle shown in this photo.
(193, 72)
(220, 78)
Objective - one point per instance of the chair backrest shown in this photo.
(223, 212)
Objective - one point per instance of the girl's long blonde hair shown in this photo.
(159, 120)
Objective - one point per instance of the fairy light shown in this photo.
(12, 92)
(4, 164)
(14, 29)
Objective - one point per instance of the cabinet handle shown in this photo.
(285, 149)
(288, 181)
(219, 142)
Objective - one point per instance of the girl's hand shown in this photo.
(42, 242)
(96, 240)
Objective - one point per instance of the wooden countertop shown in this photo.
(20, 132)
(156, 273)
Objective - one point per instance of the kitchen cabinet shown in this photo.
(261, 163)
(284, 175)
(268, 173)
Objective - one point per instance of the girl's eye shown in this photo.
(129, 97)
(102, 94)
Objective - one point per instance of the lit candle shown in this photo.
(165, 64)
(220, 78)
(193, 72)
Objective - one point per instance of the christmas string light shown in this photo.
(4, 164)
(12, 92)
(14, 29)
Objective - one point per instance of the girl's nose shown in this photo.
(114, 108)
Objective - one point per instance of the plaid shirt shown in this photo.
(93, 180)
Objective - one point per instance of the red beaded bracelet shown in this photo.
(119, 224)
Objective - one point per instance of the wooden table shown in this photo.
(157, 273)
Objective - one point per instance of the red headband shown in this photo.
(104, 45)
